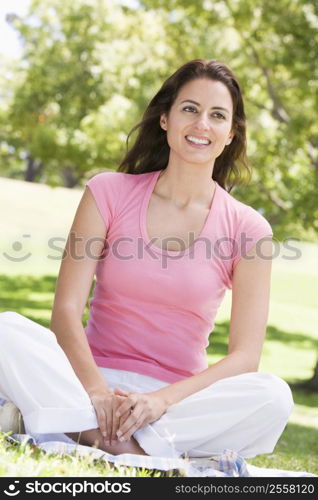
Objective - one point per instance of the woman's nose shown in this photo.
(202, 123)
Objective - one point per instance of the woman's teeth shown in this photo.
(190, 138)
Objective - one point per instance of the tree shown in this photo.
(272, 47)
(310, 384)
(90, 67)
(84, 63)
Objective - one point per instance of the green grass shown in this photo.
(18, 460)
(290, 355)
(290, 350)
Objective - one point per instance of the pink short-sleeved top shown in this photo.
(152, 310)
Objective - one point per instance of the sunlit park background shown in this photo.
(76, 75)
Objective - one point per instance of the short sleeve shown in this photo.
(253, 227)
(105, 189)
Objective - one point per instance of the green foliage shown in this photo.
(89, 67)
(79, 89)
(272, 48)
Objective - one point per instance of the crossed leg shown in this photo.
(94, 438)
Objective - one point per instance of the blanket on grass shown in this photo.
(228, 464)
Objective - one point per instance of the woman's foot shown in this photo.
(94, 438)
(11, 419)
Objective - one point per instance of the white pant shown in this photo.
(246, 413)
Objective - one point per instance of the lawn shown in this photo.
(40, 213)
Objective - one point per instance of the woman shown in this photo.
(165, 239)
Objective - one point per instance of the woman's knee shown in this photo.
(16, 328)
(7, 320)
(278, 395)
(8, 316)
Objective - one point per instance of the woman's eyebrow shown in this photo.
(198, 104)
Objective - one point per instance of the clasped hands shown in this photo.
(120, 413)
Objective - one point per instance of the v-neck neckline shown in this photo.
(144, 212)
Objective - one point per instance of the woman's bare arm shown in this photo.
(83, 248)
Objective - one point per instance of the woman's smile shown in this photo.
(198, 142)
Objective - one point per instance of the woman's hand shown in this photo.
(106, 404)
(138, 410)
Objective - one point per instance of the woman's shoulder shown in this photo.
(240, 213)
(107, 176)
(115, 178)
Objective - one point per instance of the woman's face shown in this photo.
(199, 122)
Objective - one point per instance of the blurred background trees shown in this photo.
(89, 68)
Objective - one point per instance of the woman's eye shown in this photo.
(220, 116)
(189, 107)
(192, 109)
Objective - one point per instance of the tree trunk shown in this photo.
(308, 385)
(33, 169)
(70, 180)
(313, 382)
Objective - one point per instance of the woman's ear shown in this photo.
(230, 139)
(163, 122)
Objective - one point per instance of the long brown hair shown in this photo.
(150, 151)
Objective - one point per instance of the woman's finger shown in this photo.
(127, 405)
(117, 400)
(108, 407)
(101, 420)
(132, 423)
(115, 423)
(137, 425)
(121, 392)
(123, 419)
